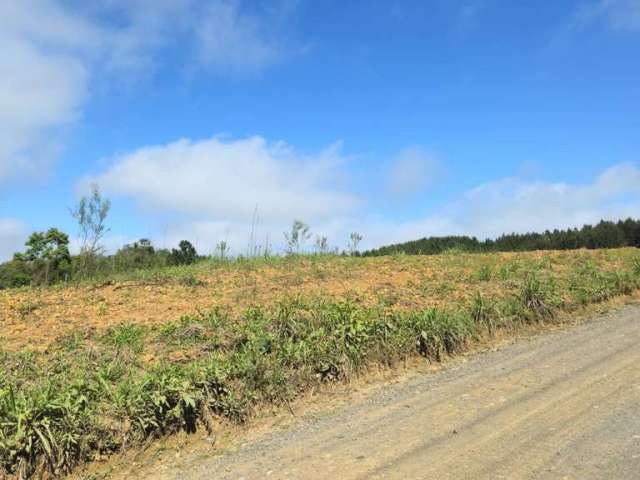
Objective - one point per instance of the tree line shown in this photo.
(47, 259)
(605, 234)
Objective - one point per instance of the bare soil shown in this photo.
(35, 318)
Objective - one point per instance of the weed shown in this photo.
(388, 298)
(483, 312)
(26, 308)
(442, 333)
(70, 342)
(536, 298)
(508, 270)
(484, 274)
(192, 281)
(636, 267)
(621, 283)
(444, 288)
(126, 336)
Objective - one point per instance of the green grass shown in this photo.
(89, 396)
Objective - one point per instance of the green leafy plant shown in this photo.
(484, 313)
(537, 298)
(127, 336)
(484, 273)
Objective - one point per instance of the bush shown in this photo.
(14, 274)
(185, 255)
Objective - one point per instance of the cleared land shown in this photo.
(35, 318)
(558, 406)
(104, 367)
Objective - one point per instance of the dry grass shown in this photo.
(35, 318)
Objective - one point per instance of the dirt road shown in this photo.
(561, 405)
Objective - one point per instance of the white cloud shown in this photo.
(210, 189)
(620, 15)
(468, 14)
(513, 205)
(231, 41)
(43, 82)
(12, 237)
(624, 14)
(50, 54)
(412, 170)
(225, 180)
(221, 35)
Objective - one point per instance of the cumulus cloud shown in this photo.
(412, 170)
(12, 237)
(50, 53)
(225, 36)
(43, 82)
(218, 179)
(210, 190)
(514, 205)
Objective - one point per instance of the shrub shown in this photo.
(185, 255)
(14, 274)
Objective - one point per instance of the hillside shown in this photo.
(99, 368)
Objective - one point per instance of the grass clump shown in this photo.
(484, 273)
(537, 298)
(484, 312)
(26, 308)
(191, 281)
(127, 336)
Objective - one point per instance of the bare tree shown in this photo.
(354, 240)
(222, 250)
(296, 238)
(322, 244)
(91, 214)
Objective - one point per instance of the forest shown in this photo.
(605, 234)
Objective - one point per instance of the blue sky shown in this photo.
(396, 119)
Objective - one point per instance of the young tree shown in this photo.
(354, 240)
(222, 250)
(186, 255)
(140, 254)
(48, 255)
(322, 244)
(296, 238)
(91, 214)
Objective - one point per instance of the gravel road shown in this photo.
(560, 405)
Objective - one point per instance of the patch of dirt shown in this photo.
(34, 318)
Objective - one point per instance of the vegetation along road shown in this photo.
(563, 405)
